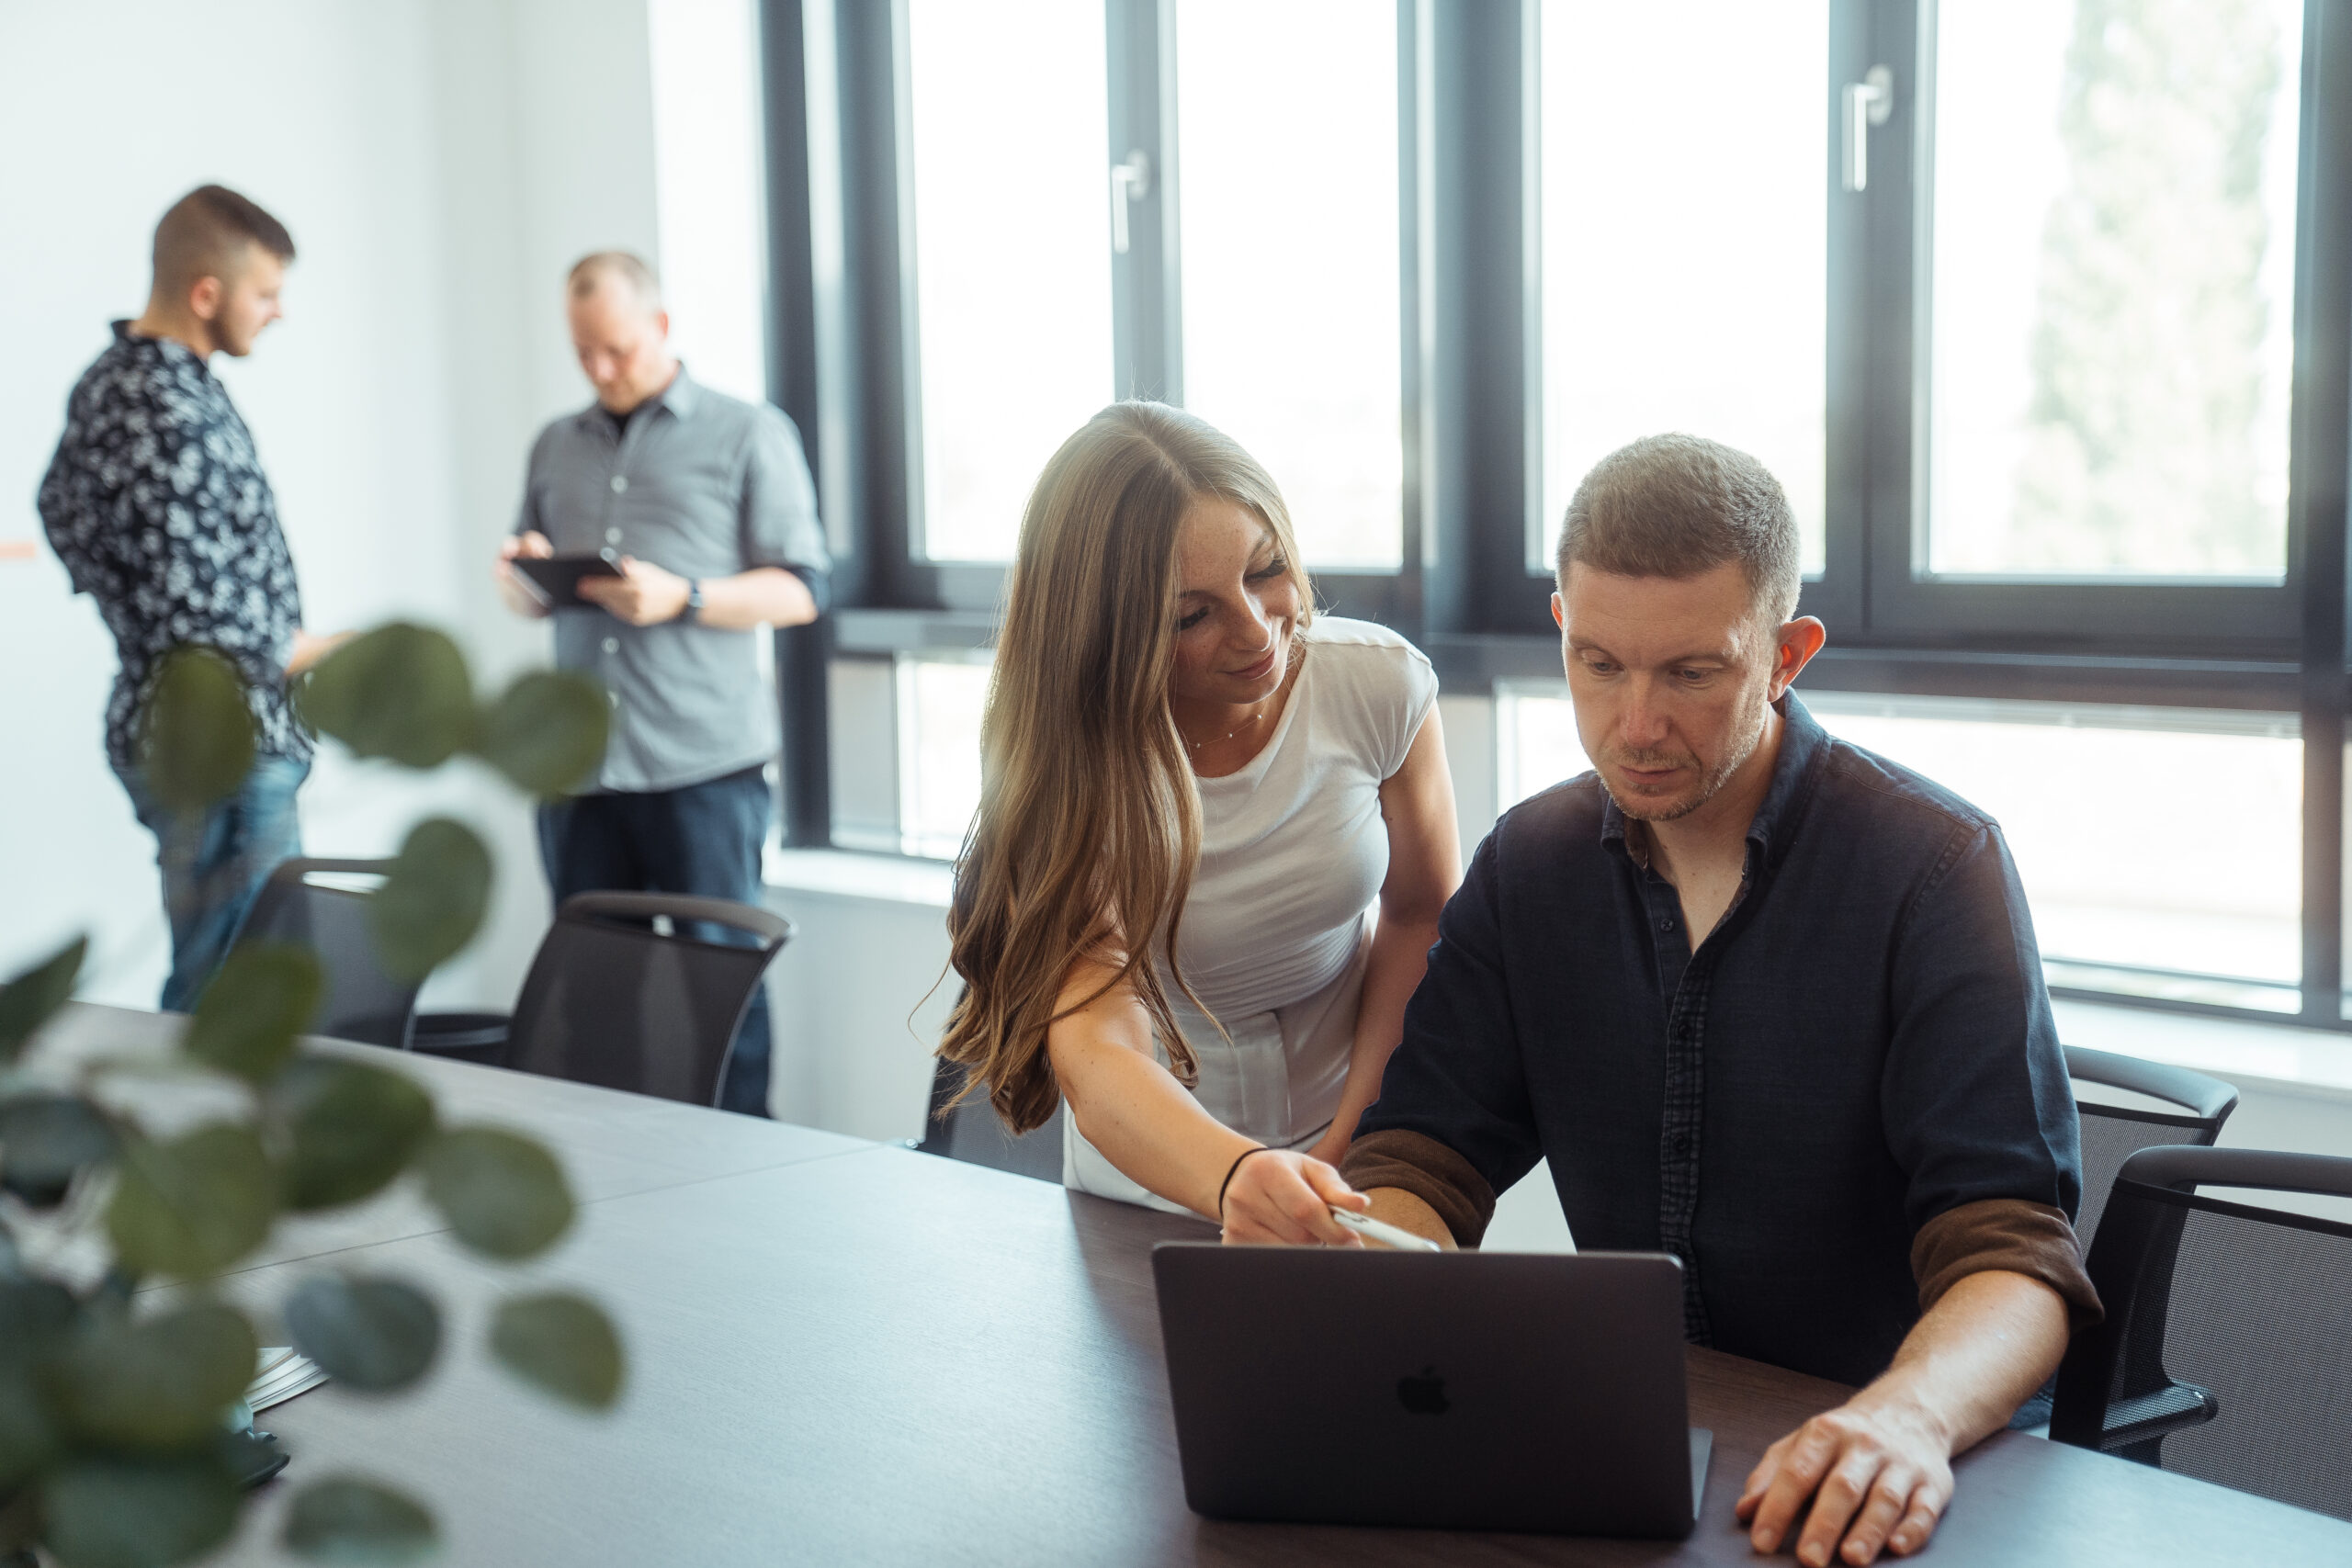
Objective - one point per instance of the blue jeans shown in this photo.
(214, 862)
(705, 839)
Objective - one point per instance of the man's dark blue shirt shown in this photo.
(1863, 1047)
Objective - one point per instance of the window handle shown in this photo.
(1868, 103)
(1130, 181)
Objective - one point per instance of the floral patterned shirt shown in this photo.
(156, 503)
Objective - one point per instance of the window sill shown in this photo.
(2278, 1059)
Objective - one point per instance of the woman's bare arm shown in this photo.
(1424, 868)
(1134, 1112)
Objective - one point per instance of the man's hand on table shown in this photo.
(1879, 1472)
(1878, 1468)
(644, 594)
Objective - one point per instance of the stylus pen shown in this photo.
(1382, 1232)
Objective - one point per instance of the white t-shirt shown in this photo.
(1276, 934)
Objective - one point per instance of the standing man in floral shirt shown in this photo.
(156, 503)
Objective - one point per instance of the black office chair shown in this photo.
(973, 1132)
(296, 906)
(627, 992)
(2222, 1353)
(2112, 1134)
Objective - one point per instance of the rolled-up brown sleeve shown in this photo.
(2032, 1239)
(1418, 1164)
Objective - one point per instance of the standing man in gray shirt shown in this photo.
(708, 503)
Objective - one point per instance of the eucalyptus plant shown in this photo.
(114, 1404)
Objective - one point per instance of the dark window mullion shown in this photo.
(1147, 334)
(1853, 324)
(2317, 494)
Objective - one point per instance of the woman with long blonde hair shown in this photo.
(1196, 791)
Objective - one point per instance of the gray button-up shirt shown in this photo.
(704, 485)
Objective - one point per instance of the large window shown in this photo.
(2113, 284)
(1287, 181)
(1684, 238)
(2036, 307)
(1281, 180)
(1013, 277)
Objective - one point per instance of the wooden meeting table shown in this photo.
(844, 1352)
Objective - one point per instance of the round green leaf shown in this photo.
(562, 1342)
(137, 1513)
(344, 1519)
(196, 732)
(247, 1021)
(193, 1205)
(374, 1335)
(502, 1194)
(400, 691)
(27, 1001)
(432, 903)
(547, 731)
(45, 1140)
(153, 1383)
(351, 1128)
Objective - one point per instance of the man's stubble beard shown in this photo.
(1750, 728)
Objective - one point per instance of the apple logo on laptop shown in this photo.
(1423, 1395)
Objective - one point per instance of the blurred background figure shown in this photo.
(157, 505)
(706, 503)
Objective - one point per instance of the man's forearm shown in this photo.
(1977, 1355)
(767, 595)
(1407, 1213)
(1875, 1474)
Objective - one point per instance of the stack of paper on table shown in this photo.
(279, 1375)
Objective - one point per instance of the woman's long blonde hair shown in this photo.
(1090, 826)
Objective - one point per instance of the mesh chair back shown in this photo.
(616, 999)
(2222, 1353)
(359, 1002)
(973, 1132)
(2113, 1133)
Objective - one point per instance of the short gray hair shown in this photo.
(630, 268)
(1680, 506)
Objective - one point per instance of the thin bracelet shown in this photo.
(1228, 1178)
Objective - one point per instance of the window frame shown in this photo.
(1469, 338)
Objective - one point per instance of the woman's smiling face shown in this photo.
(1236, 606)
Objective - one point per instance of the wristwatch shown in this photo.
(692, 611)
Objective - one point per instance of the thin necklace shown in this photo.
(1196, 745)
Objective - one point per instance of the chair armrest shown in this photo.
(2208, 1099)
(2152, 1416)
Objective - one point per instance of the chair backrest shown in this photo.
(642, 991)
(2113, 1133)
(2222, 1351)
(297, 907)
(973, 1132)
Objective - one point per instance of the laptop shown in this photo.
(1456, 1390)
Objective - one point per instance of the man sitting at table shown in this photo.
(1765, 1002)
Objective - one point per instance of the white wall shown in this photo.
(440, 163)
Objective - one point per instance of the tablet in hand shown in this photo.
(555, 581)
